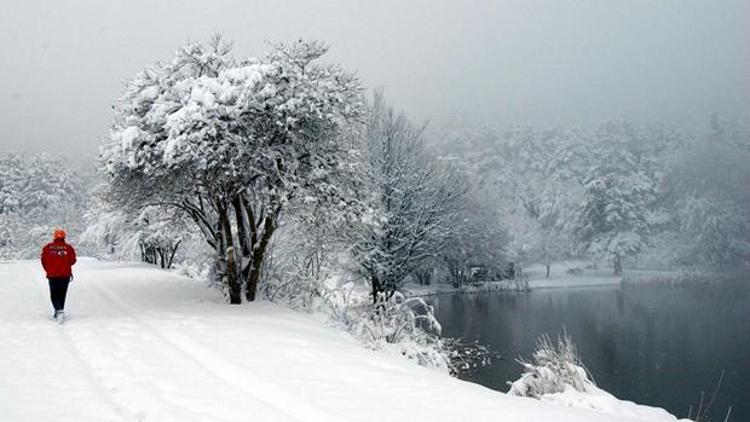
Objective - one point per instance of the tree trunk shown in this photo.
(233, 285)
(618, 265)
(234, 288)
(172, 253)
(375, 289)
(548, 268)
(245, 234)
(259, 253)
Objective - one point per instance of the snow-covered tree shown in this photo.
(158, 237)
(619, 194)
(37, 194)
(232, 142)
(530, 177)
(708, 189)
(414, 200)
(477, 239)
(550, 212)
(546, 181)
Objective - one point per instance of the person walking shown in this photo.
(58, 258)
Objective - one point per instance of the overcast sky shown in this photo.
(62, 63)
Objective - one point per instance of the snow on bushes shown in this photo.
(557, 376)
(399, 326)
(405, 326)
(554, 368)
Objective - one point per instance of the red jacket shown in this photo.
(57, 259)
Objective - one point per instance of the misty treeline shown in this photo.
(41, 193)
(271, 173)
(37, 194)
(617, 192)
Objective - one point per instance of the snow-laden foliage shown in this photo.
(529, 178)
(310, 270)
(401, 326)
(555, 367)
(543, 177)
(37, 195)
(415, 200)
(596, 193)
(709, 193)
(158, 238)
(305, 256)
(316, 277)
(406, 326)
(232, 143)
(149, 235)
(107, 231)
(476, 244)
(620, 192)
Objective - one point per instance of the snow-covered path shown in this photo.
(145, 345)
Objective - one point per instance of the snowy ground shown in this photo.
(146, 345)
(417, 290)
(559, 277)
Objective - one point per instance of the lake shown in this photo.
(655, 345)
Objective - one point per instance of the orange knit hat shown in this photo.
(59, 234)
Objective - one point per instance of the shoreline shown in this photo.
(632, 278)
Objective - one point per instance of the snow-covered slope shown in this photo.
(145, 345)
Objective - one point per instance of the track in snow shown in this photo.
(146, 345)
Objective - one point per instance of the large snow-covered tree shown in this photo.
(619, 194)
(232, 142)
(414, 200)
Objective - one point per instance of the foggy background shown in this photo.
(62, 63)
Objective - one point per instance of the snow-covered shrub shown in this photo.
(153, 235)
(555, 367)
(406, 326)
(310, 269)
(307, 266)
(397, 326)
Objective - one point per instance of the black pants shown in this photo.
(58, 289)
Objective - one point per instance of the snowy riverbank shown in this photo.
(560, 276)
(147, 345)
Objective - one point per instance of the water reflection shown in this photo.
(653, 345)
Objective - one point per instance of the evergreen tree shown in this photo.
(619, 194)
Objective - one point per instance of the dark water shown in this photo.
(654, 345)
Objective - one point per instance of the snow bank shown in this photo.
(598, 400)
(556, 375)
(147, 345)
